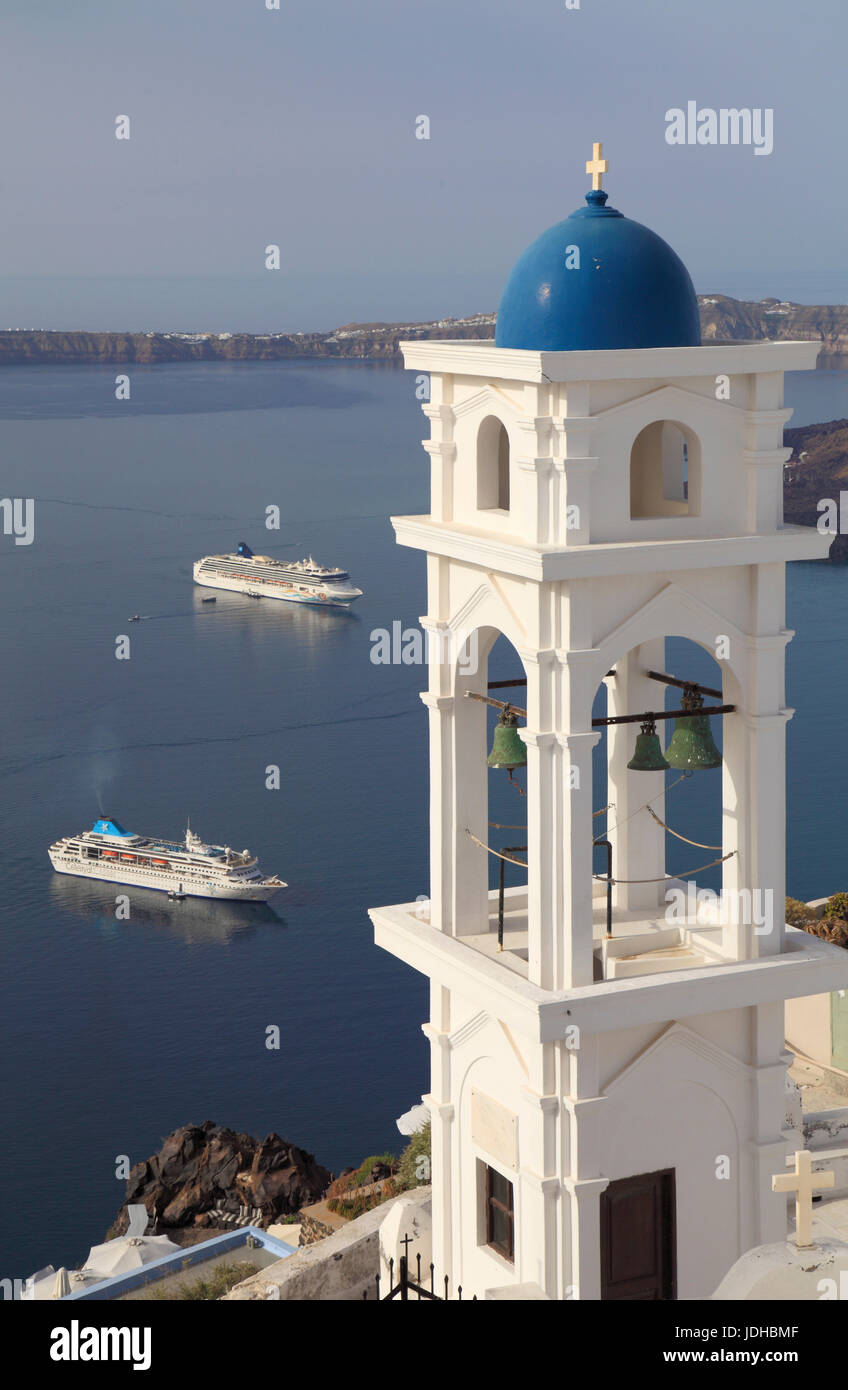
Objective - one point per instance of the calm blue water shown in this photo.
(113, 1033)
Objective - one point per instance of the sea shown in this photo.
(283, 1017)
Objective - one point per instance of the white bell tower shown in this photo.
(607, 1109)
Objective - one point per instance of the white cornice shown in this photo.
(436, 702)
(438, 412)
(480, 357)
(808, 966)
(772, 458)
(440, 448)
(544, 564)
(770, 417)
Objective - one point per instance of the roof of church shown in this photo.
(625, 288)
(782, 1272)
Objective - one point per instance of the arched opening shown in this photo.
(661, 830)
(492, 466)
(665, 471)
(490, 816)
(507, 798)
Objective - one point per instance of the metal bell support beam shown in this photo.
(691, 748)
(612, 718)
(684, 685)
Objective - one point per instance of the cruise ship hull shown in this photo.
(320, 598)
(169, 881)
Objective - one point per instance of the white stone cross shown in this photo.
(596, 166)
(803, 1182)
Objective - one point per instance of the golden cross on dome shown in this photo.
(596, 166)
(803, 1182)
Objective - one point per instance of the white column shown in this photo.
(574, 521)
(544, 825)
(585, 1225)
(442, 1118)
(638, 842)
(755, 794)
(766, 1211)
(536, 489)
(577, 738)
(765, 870)
(470, 791)
(441, 710)
(538, 1234)
(534, 470)
(543, 915)
(582, 1162)
(577, 955)
(440, 446)
(577, 466)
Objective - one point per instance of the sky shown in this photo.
(297, 127)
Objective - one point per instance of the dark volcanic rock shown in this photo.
(177, 1151)
(817, 470)
(284, 1178)
(203, 1167)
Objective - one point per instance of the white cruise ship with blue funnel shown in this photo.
(260, 576)
(191, 869)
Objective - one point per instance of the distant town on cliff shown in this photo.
(722, 318)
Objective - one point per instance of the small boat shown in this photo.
(136, 618)
(176, 894)
(208, 600)
(249, 594)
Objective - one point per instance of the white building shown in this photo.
(606, 1113)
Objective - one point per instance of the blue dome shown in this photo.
(630, 290)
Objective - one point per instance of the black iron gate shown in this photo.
(408, 1289)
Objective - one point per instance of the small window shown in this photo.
(492, 466)
(500, 1214)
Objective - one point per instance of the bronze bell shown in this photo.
(692, 748)
(508, 751)
(648, 755)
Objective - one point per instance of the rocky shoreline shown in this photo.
(722, 319)
(207, 1177)
(816, 471)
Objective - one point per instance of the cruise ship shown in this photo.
(299, 581)
(192, 869)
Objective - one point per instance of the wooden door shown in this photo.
(638, 1241)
